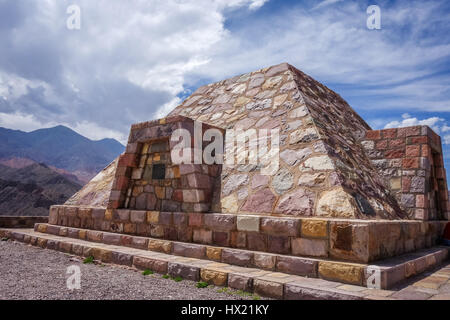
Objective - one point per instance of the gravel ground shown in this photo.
(30, 273)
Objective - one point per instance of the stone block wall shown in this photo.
(337, 239)
(146, 178)
(410, 160)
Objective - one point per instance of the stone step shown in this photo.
(265, 283)
(392, 270)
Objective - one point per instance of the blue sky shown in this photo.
(134, 60)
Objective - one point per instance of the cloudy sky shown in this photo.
(134, 60)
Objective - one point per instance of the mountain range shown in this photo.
(58, 147)
(47, 166)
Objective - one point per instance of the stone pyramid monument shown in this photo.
(342, 197)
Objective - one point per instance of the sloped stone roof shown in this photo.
(324, 170)
(96, 193)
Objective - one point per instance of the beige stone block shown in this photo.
(160, 246)
(342, 272)
(215, 277)
(230, 203)
(214, 253)
(108, 214)
(337, 204)
(153, 217)
(314, 228)
(42, 228)
(396, 183)
(248, 223)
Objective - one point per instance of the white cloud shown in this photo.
(20, 121)
(126, 64)
(325, 3)
(131, 60)
(256, 4)
(435, 123)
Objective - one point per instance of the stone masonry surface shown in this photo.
(329, 160)
(347, 240)
(432, 285)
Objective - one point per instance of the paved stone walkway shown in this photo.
(432, 285)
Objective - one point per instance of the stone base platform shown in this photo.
(263, 282)
(360, 241)
(392, 271)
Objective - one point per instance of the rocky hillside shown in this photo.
(31, 190)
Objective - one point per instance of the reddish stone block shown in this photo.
(111, 238)
(298, 266)
(394, 154)
(417, 140)
(412, 151)
(122, 258)
(406, 184)
(143, 229)
(197, 180)
(138, 216)
(185, 234)
(151, 264)
(395, 143)
(223, 222)
(126, 240)
(121, 215)
(278, 244)
(240, 282)
(202, 236)
(260, 201)
(373, 134)
(139, 243)
(238, 239)
(270, 289)
(183, 271)
(389, 133)
(221, 238)
(180, 219)
(95, 236)
(165, 218)
(420, 201)
(195, 219)
(51, 229)
(189, 250)
(279, 226)
(256, 241)
(408, 132)
(73, 233)
(426, 151)
(52, 244)
(381, 145)
(170, 233)
(121, 183)
(237, 257)
(127, 160)
(177, 195)
(53, 215)
(410, 163)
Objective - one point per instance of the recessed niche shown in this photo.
(159, 171)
